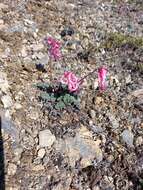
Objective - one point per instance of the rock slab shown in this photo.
(46, 138)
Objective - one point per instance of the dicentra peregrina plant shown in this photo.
(64, 93)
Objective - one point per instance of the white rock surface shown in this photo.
(23, 51)
(128, 137)
(46, 138)
(41, 153)
(7, 101)
(3, 82)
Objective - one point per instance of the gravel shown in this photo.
(100, 145)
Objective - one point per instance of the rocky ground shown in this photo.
(96, 147)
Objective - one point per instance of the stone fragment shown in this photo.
(46, 138)
(11, 169)
(3, 82)
(128, 137)
(7, 101)
(41, 153)
(38, 168)
(82, 146)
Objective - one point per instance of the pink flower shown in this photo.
(71, 81)
(102, 74)
(64, 78)
(73, 86)
(54, 48)
(55, 53)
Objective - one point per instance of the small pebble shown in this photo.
(37, 168)
(1, 21)
(18, 106)
(128, 137)
(40, 67)
(92, 114)
(11, 169)
(68, 31)
(139, 141)
(41, 153)
(95, 84)
(23, 52)
(98, 100)
(128, 79)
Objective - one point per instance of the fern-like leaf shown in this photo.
(43, 86)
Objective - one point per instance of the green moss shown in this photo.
(124, 1)
(116, 40)
(132, 1)
(140, 67)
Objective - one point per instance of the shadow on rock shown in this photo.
(2, 173)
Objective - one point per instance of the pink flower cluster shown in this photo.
(54, 48)
(102, 74)
(71, 81)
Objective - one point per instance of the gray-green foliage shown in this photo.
(47, 97)
(42, 86)
(60, 105)
(56, 97)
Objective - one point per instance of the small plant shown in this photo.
(57, 96)
(117, 40)
(65, 92)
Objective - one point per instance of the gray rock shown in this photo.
(17, 106)
(18, 151)
(17, 154)
(34, 133)
(96, 188)
(28, 141)
(46, 138)
(8, 126)
(11, 170)
(28, 64)
(7, 53)
(41, 153)
(140, 21)
(95, 84)
(92, 114)
(46, 160)
(97, 129)
(114, 122)
(139, 141)
(81, 146)
(128, 79)
(3, 82)
(40, 55)
(37, 161)
(7, 101)
(2, 25)
(23, 51)
(37, 55)
(44, 60)
(128, 137)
